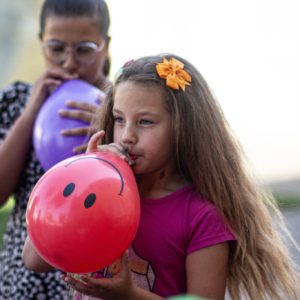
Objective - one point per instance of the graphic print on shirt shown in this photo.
(141, 270)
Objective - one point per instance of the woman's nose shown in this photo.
(70, 63)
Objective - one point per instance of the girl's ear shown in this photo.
(40, 36)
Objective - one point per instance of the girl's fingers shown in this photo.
(94, 141)
(125, 263)
(80, 149)
(117, 149)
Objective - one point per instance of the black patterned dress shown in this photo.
(17, 282)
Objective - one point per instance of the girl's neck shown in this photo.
(159, 185)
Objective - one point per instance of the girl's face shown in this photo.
(143, 125)
(74, 39)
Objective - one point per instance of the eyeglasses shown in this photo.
(84, 52)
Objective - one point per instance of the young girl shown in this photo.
(204, 224)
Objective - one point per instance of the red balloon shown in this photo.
(84, 212)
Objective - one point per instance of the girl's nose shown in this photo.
(129, 136)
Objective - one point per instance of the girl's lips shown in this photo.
(133, 157)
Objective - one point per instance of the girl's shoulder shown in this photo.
(184, 200)
(187, 215)
(205, 225)
(190, 196)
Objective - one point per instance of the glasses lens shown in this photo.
(56, 51)
(86, 52)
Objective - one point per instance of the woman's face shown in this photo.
(75, 44)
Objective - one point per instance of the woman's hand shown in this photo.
(81, 111)
(118, 287)
(118, 149)
(44, 86)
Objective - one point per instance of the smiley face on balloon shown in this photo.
(91, 197)
(84, 212)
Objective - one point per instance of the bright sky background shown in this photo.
(248, 51)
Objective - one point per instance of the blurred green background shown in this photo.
(4, 213)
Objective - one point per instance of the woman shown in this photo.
(74, 39)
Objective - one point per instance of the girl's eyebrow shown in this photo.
(116, 110)
(140, 113)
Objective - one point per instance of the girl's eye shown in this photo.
(145, 122)
(118, 119)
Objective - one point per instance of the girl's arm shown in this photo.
(206, 277)
(32, 260)
(119, 287)
(206, 271)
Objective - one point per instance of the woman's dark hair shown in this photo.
(95, 9)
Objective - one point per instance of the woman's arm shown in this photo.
(14, 149)
(207, 271)
(13, 154)
(32, 260)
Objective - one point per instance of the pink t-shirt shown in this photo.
(171, 228)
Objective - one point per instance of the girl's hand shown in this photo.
(81, 111)
(45, 85)
(115, 288)
(118, 149)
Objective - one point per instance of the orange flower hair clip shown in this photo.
(174, 74)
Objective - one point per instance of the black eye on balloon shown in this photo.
(89, 200)
(69, 189)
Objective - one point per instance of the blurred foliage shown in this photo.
(286, 201)
(4, 214)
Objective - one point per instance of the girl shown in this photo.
(67, 27)
(204, 224)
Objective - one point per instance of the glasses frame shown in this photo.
(72, 49)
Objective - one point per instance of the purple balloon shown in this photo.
(50, 145)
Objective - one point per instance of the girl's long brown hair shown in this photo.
(209, 157)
